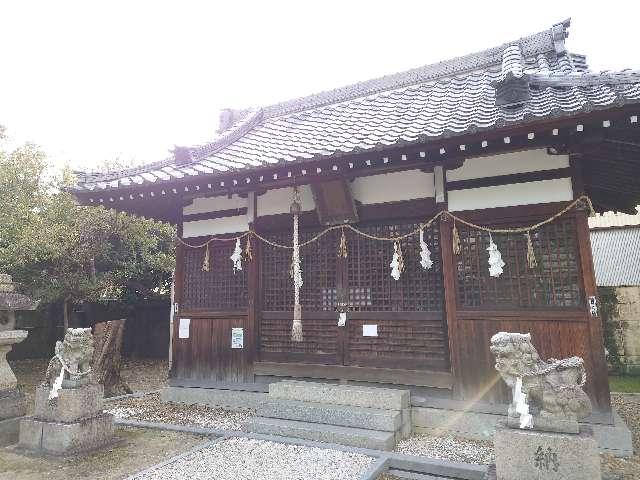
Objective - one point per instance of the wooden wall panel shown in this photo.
(207, 355)
(412, 340)
(553, 338)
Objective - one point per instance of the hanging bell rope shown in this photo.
(343, 252)
(531, 254)
(296, 271)
(205, 261)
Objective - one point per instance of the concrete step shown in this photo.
(342, 415)
(354, 395)
(354, 437)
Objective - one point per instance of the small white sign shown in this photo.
(369, 330)
(342, 319)
(183, 328)
(237, 338)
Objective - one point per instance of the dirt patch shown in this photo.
(142, 375)
(139, 449)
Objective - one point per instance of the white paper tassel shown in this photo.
(396, 262)
(236, 257)
(425, 253)
(522, 407)
(495, 259)
(57, 385)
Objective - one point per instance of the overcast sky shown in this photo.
(90, 81)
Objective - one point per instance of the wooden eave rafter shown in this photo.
(563, 135)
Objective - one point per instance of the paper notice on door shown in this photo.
(369, 330)
(237, 338)
(183, 328)
(342, 319)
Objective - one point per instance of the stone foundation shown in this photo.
(69, 424)
(66, 438)
(535, 455)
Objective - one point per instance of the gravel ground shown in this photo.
(138, 449)
(150, 409)
(247, 459)
(447, 448)
(628, 406)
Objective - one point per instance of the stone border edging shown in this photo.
(384, 460)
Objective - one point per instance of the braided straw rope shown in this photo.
(396, 238)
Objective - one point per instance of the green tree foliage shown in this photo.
(64, 252)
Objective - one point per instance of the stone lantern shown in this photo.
(12, 402)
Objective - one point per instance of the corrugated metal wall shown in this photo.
(616, 256)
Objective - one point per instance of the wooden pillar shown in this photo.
(599, 375)
(252, 326)
(450, 301)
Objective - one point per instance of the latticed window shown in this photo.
(371, 287)
(555, 282)
(219, 289)
(319, 273)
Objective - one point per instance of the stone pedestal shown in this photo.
(70, 424)
(536, 455)
(12, 402)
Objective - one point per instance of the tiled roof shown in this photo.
(442, 100)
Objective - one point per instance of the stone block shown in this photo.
(357, 396)
(354, 437)
(9, 431)
(472, 425)
(30, 434)
(71, 405)
(343, 415)
(548, 424)
(66, 438)
(13, 404)
(230, 399)
(535, 455)
(614, 439)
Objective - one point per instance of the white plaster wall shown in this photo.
(215, 226)
(214, 204)
(543, 191)
(278, 200)
(508, 164)
(393, 187)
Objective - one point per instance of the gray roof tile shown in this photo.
(449, 98)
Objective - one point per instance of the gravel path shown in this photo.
(149, 408)
(447, 448)
(628, 406)
(247, 459)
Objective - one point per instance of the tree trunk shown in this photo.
(65, 315)
(107, 357)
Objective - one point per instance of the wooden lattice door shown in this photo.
(407, 313)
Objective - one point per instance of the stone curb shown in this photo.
(385, 460)
(171, 427)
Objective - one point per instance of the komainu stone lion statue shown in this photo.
(553, 388)
(71, 365)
